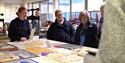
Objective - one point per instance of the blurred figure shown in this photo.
(86, 31)
(19, 28)
(35, 23)
(49, 23)
(61, 30)
(100, 23)
(37, 13)
(112, 43)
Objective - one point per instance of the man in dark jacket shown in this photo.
(61, 30)
(19, 28)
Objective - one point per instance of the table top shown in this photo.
(75, 50)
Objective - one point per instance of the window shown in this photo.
(64, 6)
(94, 8)
(44, 12)
(75, 9)
(94, 5)
(35, 6)
(29, 7)
(44, 7)
(50, 9)
(94, 16)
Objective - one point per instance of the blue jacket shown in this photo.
(61, 32)
(18, 29)
(90, 35)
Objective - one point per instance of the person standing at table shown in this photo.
(61, 30)
(19, 28)
(86, 32)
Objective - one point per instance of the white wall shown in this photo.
(2, 10)
(10, 11)
(29, 1)
(2, 7)
(9, 8)
(14, 1)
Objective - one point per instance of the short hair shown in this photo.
(102, 6)
(21, 9)
(57, 11)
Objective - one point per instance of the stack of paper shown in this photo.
(38, 50)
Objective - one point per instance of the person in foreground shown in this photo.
(61, 30)
(19, 28)
(86, 32)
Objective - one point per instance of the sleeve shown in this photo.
(28, 31)
(11, 32)
(76, 37)
(50, 32)
(72, 33)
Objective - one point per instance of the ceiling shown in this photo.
(19, 1)
(13, 1)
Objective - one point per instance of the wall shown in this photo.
(28, 1)
(2, 7)
(13, 8)
(2, 10)
(9, 9)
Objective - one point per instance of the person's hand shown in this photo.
(23, 39)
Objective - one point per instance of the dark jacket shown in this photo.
(61, 32)
(99, 30)
(90, 32)
(18, 29)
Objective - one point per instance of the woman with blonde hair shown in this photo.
(86, 31)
